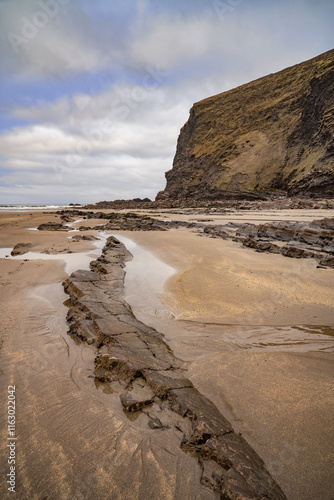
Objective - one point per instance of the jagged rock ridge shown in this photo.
(145, 373)
(272, 135)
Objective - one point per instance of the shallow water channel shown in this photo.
(146, 277)
(72, 261)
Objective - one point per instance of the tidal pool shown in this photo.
(72, 261)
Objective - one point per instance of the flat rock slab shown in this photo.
(162, 383)
(131, 404)
(244, 468)
(84, 237)
(207, 419)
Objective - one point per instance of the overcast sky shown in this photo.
(93, 93)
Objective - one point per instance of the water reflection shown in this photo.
(145, 278)
(144, 283)
(72, 261)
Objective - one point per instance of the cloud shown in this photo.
(85, 147)
(109, 177)
(35, 44)
(99, 93)
(169, 43)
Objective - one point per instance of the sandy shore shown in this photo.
(280, 397)
(274, 385)
(73, 439)
(221, 281)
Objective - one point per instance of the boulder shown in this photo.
(52, 226)
(21, 248)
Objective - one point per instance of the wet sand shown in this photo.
(244, 321)
(74, 440)
(221, 281)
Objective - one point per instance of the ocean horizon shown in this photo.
(12, 207)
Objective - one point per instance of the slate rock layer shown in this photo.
(136, 358)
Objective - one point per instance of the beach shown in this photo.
(255, 332)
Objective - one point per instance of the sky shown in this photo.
(93, 93)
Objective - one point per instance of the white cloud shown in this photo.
(125, 156)
(169, 43)
(118, 142)
(38, 44)
(54, 55)
(108, 178)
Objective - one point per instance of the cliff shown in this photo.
(271, 136)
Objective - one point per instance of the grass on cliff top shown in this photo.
(271, 104)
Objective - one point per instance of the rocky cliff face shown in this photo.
(273, 135)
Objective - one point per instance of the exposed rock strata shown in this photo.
(121, 204)
(128, 221)
(272, 200)
(135, 357)
(272, 135)
(291, 239)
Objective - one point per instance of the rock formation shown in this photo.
(52, 226)
(134, 359)
(292, 239)
(21, 248)
(272, 135)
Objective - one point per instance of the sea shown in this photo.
(27, 207)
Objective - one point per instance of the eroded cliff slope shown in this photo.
(271, 135)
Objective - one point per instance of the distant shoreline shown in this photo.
(26, 208)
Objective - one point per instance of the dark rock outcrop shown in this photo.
(21, 248)
(124, 221)
(292, 239)
(272, 135)
(52, 226)
(135, 357)
(84, 237)
(121, 204)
